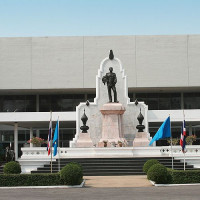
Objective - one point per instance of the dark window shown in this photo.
(45, 103)
(90, 97)
(130, 95)
(20, 103)
(191, 100)
(160, 101)
(66, 102)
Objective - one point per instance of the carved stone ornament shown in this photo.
(140, 119)
(84, 119)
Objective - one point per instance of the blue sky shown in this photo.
(19, 18)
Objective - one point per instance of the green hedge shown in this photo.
(29, 179)
(176, 176)
(12, 168)
(183, 177)
(159, 174)
(72, 174)
(148, 164)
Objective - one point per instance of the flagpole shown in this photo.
(182, 133)
(51, 142)
(58, 145)
(171, 146)
(184, 160)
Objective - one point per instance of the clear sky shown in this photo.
(20, 18)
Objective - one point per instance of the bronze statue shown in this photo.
(111, 79)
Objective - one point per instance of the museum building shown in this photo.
(43, 74)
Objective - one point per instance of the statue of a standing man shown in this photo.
(111, 79)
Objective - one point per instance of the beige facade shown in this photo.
(73, 62)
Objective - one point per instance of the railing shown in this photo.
(191, 150)
(41, 152)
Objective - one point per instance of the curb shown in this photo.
(46, 187)
(171, 185)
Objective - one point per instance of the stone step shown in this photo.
(112, 166)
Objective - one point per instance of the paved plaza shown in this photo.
(107, 188)
(142, 193)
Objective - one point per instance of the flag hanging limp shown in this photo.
(55, 139)
(183, 136)
(163, 132)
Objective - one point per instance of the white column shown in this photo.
(31, 136)
(16, 140)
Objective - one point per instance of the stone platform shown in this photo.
(112, 123)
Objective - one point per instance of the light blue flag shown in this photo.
(163, 132)
(55, 139)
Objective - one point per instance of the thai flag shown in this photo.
(49, 138)
(183, 136)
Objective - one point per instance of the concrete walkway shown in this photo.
(117, 181)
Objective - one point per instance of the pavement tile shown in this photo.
(117, 181)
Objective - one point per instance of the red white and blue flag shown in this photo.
(183, 136)
(49, 137)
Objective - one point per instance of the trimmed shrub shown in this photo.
(148, 164)
(72, 174)
(159, 174)
(187, 176)
(29, 179)
(12, 168)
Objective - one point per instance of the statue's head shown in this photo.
(110, 69)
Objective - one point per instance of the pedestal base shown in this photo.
(112, 124)
(84, 141)
(141, 140)
(113, 143)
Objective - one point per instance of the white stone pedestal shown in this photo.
(84, 140)
(112, 123)
(141, 140)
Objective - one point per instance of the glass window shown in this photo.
(45, 103)
(161, 101)
(20, 103)
(30, 103)
(191, 100)
(152, 101)
(66, 102)
(175, 101)
(130, 95)
(91, 97)
(164, 102)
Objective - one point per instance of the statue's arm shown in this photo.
(104, 79)
(115, 79)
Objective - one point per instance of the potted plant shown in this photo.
(190, 139)
(36, 141)
(105, 143)
(113, 144)
(174, 141)
(120, 143)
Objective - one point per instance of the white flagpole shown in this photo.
(171, 145)
(58, 145)
(182, 133)
(184, 160)
(51, 140)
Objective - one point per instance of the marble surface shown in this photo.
(129, 120)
